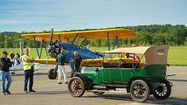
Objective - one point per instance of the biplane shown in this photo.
(66, 40)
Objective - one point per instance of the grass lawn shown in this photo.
(177, 54)
(16, 50)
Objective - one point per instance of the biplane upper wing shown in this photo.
(91, 34)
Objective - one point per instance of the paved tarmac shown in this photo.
(51, 93)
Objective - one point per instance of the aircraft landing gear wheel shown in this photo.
(139, 90)
(163, 90)
(52, 74)
(76, 87)
(98, 93)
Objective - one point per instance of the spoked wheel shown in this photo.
(76, 87)
(139, 91)
(52, 74)
(163, 90)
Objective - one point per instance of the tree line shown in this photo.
(173, 35)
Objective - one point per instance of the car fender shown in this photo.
(87, 81)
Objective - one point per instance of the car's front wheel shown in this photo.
(76, 87)
(139, 90)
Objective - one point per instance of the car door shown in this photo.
(112, 75)
(106, 75)
(126, 74)
(116, 75)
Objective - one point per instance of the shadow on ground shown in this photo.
(43, 93)
(151, 100)
(179, 80)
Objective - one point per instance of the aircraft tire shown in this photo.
(52, 74)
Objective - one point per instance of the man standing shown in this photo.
(60, 60)
(28, 70)
(77, 61)
(5, 63)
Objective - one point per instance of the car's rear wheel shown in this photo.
(76, 87)
(139, 90)
(52, 74)
(163, 90)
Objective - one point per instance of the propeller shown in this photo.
(51, 36)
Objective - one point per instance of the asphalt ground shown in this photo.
(51, 93)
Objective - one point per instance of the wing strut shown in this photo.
(82, 42)
(116, 42)
(35, 43)
(46, 51)
(41, 46)
(108, 40)
(39, 53)
(74, 40)
(51, 37)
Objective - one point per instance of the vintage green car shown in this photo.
(140, 79)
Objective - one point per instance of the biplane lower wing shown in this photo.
(86, 62)
(46, 61)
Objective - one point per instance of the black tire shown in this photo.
(52, 74)
(162, 91)
(98, 93)
(76, 87)
(139, 90)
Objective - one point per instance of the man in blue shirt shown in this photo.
(60, 60)
(5, 63)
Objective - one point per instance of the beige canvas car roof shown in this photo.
(137, 50)
(153, 54)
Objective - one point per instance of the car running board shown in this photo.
(108, 86)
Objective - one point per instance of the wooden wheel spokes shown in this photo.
(162, 90)
(76, 87)
(139, 90)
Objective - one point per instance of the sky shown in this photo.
(39, 15)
